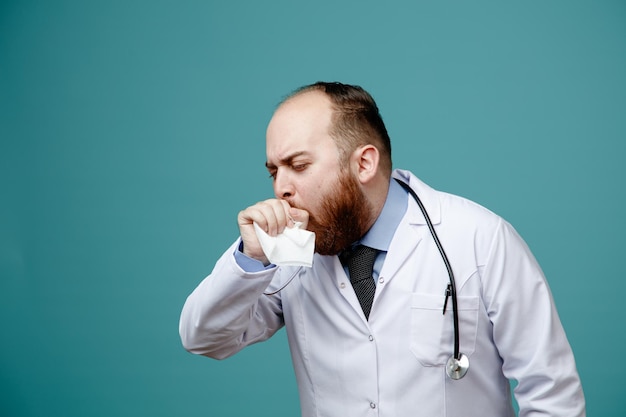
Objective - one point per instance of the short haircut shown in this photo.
(356, 121)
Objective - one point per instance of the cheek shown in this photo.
(316, 186)
(311, 195)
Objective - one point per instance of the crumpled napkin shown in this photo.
(293, 247)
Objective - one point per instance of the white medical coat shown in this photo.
(393, 364)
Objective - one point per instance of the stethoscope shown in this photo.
(458, 364)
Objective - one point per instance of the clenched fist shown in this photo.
(272, 216)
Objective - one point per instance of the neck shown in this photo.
(376, 193)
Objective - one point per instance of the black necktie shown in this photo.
(360, 263)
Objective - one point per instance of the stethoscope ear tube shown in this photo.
(458, 364)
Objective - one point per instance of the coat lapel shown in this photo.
(412, 228)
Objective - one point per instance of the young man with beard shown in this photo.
(329, 155)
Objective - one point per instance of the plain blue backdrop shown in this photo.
(132, 132)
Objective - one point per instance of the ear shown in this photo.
(366, 160)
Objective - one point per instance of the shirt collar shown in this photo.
(380, 234)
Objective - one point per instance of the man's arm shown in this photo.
(228, 310)
(528, 332)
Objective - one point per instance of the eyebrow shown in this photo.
(287, 160)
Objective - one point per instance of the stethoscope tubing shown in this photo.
(444, 257)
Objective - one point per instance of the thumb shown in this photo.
(299, 215)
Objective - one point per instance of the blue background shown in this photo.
(132, 132)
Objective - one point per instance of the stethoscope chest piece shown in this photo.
(457, 368)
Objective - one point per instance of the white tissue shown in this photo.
(293, 247)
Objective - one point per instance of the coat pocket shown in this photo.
(432, 332)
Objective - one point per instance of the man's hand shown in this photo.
(272, 216)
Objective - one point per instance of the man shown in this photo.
(329, 156)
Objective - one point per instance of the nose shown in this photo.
(283, 186)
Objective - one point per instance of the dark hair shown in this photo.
(356, 121)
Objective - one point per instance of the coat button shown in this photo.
(372, 405)
(371, 338)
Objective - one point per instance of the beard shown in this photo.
(343, 217)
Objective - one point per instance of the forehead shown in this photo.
(302, 123)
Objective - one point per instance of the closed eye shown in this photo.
(291, 161)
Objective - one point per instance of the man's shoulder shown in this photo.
(445, 207)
